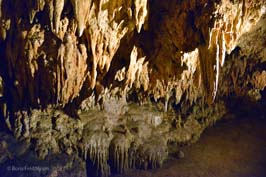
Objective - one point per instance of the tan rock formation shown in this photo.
(183, 57)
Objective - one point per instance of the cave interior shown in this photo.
(133, 88)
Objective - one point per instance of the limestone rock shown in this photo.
(135, 74)
(75, 51)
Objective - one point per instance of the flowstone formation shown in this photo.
(115, 81)
(137, 138)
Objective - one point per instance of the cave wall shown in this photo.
(82, 54)
(182, 62)
(88, 54)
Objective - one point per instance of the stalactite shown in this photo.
(69, 84)
(140, 13)
(132, 154)
(223, 39)
(152, 154)
(34, 6)
(136, 69)
(58, 8)
(97, 149)
(82, 10)
(120, 151)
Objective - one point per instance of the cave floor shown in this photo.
(232, 148)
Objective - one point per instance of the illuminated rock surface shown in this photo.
(115, 81)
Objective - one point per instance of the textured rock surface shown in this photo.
(62, 52)
(108, 142)
(64, 61)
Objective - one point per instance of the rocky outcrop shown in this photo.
(68, 58)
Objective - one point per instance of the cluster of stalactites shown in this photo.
(119, 153)
(96, 149)
(101, 23)
(85, 9)
(233, 20)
